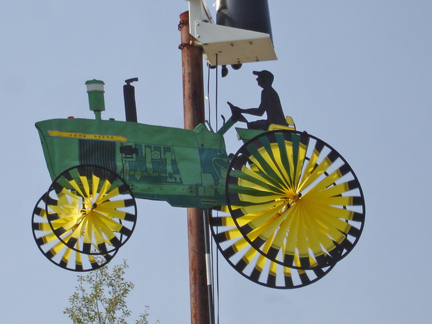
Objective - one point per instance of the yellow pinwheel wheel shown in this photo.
(91, 209)
(295, 199)
(255, 266)
(56, 251)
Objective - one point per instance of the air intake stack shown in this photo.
(95, 90)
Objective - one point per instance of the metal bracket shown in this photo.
(227, 45)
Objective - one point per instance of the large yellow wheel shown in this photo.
(56, 251)
(255, 266)
(91, 209)
(295, 199)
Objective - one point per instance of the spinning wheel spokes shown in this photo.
(295, 199)
(91, 209)
(56, 251)
(255, 266)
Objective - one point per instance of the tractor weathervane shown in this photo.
(290, 205)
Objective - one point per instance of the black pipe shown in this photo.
(129, 100)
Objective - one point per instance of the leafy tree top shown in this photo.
(100, 298)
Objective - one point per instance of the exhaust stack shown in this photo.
(129, 100)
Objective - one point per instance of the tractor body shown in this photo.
(186, 168)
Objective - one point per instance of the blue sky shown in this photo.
(356, 74)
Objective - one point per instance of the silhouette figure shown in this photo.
(270, 104)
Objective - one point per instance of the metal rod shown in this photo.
(193, 105)
(208, 253)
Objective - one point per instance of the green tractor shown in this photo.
(289, 205)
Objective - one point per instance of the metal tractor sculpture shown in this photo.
(289, 205)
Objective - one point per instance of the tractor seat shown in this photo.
(290, 122)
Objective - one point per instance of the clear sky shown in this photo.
(357, 74)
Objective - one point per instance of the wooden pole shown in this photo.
(193, 105)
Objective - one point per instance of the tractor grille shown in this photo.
(101, 153)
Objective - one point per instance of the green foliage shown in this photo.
(100, 298)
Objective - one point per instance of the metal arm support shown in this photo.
(230, 45)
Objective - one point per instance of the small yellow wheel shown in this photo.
(91, 209)
(295, 199)
(57, 252)
(255, 266)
